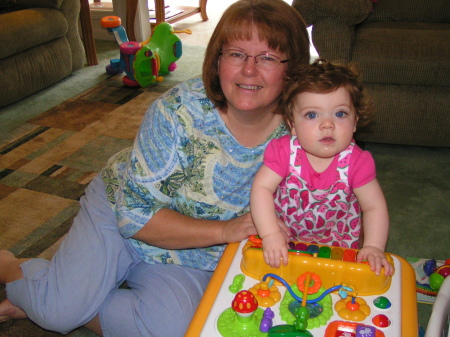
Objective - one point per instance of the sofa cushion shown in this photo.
(407, 10)
(403, 53)
(407, 114)
(27, 28)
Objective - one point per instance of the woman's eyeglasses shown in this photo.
(236, 57)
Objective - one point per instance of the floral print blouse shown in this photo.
(184, 158)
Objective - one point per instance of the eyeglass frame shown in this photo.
(280, 61)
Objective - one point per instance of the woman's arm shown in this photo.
(375, 226)
(169, 229)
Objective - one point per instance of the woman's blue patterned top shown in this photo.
(184, 158)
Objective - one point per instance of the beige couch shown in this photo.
(39, 45)
(403, 50)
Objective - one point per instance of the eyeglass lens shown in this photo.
(236, 57)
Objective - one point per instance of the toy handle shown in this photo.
(186, 31)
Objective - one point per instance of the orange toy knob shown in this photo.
(352, 306)
(110, 22)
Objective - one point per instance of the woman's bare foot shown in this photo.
(10, 311)
(10, 267)
(10, 271)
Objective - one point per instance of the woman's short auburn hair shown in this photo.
(322, 77)
(278, 24)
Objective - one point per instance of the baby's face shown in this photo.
(324, 123)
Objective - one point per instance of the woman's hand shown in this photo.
(238, 229)
(376, 258)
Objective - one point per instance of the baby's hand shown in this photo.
(274, 249)
(376, 259)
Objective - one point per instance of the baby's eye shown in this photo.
(311, 115)
(340, 114)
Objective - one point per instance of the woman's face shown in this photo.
(248, 87)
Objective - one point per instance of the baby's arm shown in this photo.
(375, 226)
(262, 208)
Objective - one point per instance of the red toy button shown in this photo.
(381, 321)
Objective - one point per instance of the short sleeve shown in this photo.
(152, 171)
(276, 156)
(362, 168)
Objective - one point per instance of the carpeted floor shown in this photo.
(48, 166)
(47, 162)
(45, 170)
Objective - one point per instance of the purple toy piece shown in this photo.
(365, 331)
(266, 321)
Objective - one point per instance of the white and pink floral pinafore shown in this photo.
(331, 216)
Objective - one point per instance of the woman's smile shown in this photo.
(249, 87)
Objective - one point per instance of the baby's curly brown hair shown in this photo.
(323, 77)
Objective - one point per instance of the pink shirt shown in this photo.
(361, 170)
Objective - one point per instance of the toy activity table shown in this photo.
(397, 319)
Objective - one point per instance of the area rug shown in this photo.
(45, 169)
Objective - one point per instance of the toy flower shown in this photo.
(352, 309)
(266, 295)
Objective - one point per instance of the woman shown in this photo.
(160, 214)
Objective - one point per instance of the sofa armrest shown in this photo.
(333, 24)
(54, 4)
(71, 10)
(348, 12)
